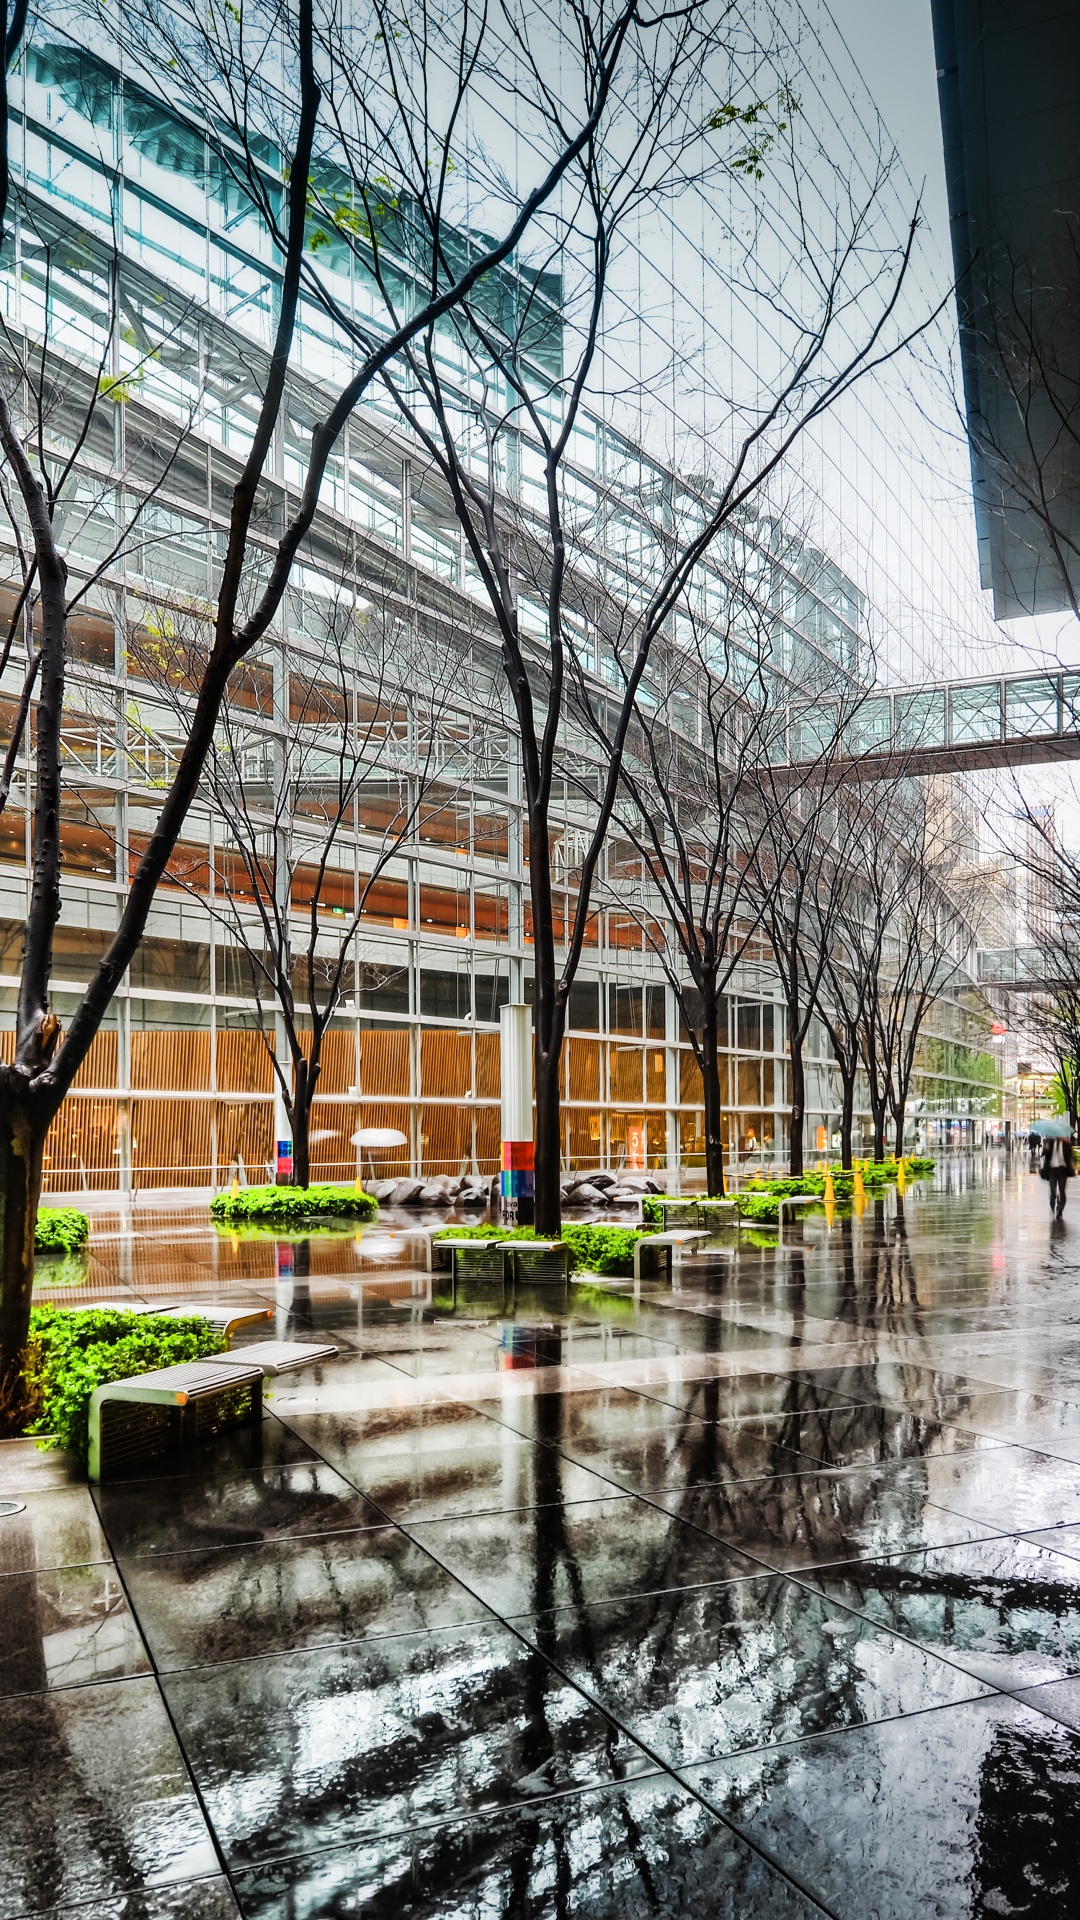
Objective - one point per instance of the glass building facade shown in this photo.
(178, 1088)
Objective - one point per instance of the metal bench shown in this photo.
(456, 1248)
(794, 1200)
(729, 1206)
(684, 1212)
(543, 1260)
(667, 1242)
(154, 1413)
(279, 1356)
(227, 1320)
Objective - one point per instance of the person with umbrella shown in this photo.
(1058, 1160)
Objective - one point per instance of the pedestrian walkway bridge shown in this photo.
(952, 727)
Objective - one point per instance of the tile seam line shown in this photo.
(754, 1846)
(95, 1899)
(777, 1572)
(219, 1852)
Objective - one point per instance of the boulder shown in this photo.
(381, 1189)
(587, 1195)
(433, 1195)
(404, 1193)
(603, 1181)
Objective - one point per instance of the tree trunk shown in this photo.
(22, 1147)
(301, 1128)
(797, 1123)
(879, 1133)
(710, 1081)
(547, 1202)
(847, 1116)
(899, 1116)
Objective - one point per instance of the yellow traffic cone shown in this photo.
(235, 1188)
(830, 1190)
(901, 1178)
(860, 1190)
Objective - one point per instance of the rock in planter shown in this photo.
(603, 1180)
(404, 1193)
(434, 1195)
(588, 1196)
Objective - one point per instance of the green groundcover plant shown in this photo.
(292, 1205)
(70, 1353)
(60, 1230)
(593, 1249)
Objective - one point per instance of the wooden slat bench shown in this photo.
(154, 1413)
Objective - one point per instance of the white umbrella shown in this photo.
(371, 1137)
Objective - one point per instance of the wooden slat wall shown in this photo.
(384, 1064)
(446, 1139)
(172, 1135)
(162, 1061)
(445, 1064)
(81, 1147)
(243, 1063)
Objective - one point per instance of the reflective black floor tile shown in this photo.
(712, 1669)
(359, 1443)
(1006, 1610)
(265, 1444)
(26, 1465)
(1059, 1698)
(746, 1396)
(512, 1473)
(694, 1455)
(552, 1555)
(64, 1628)
(310, 1749)
(810, 1518)
(1010, 1488)
(1058, 1539)
(860, 1436)
(57, 1527)
(635, 1852)
(972, 1812)
(94, 1798)
(584, 1417)
(175, 1516)
(231, 1602)
(196, 1900)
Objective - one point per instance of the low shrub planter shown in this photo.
(593, 1249)
(294, 1205)
(70, 1352)
(60, 1230)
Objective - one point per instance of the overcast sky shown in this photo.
(892, 43)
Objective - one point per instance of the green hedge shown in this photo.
(71, 1353)
(593, 1249)
(60, 1230)
(291, 1205)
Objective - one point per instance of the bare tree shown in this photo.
(691, 753)
(216, 59)
(499, 396)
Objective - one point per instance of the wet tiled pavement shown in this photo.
(758, 1597)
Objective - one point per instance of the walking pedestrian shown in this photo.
(1058, 1165)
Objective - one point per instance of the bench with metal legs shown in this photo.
(666, 1243)
(151, 1414)
(154, 1413)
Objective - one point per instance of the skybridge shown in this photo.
(954, 726)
